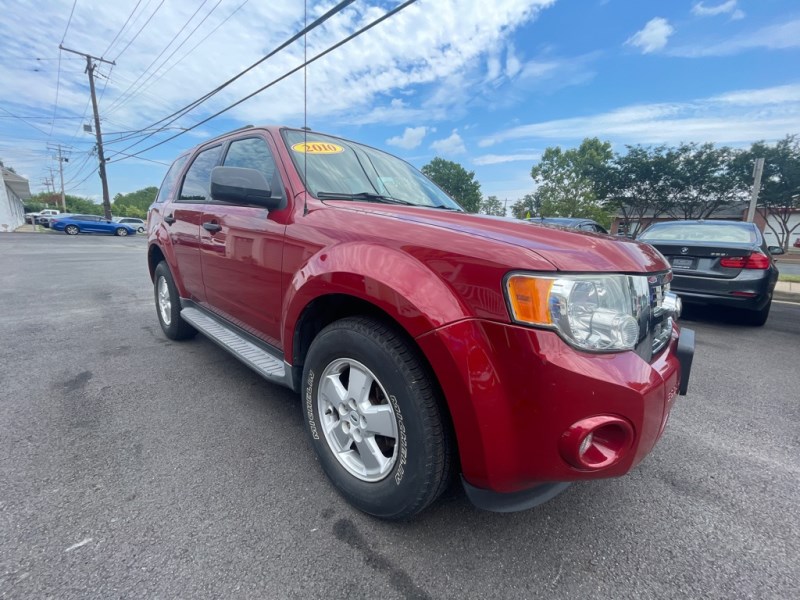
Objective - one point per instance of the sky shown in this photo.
(489, 85)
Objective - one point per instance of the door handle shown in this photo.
(212, 227)
(169, 219)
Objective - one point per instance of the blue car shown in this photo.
(75, 224)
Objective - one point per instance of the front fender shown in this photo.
(416, 297)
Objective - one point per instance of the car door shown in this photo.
(89, 223)
(242, 248)
(182, 218)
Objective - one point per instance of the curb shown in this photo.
(786, 296)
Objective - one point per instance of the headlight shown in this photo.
(591, 312)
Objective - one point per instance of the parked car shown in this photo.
(725, 263)
(420, 338)
(797, 243)
(573, 223)
(41, 217)
(139, 224)
(75, 224)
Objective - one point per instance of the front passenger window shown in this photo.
(253, 153)
(196, 184)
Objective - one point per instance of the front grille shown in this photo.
(655, 324)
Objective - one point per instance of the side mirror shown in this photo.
(242, 186)
(775, 250)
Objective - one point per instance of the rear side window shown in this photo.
(168, 185)
(198, 177)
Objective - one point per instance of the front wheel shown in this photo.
(376, 418)
(71, 230)
(168, 305)
(121, 231)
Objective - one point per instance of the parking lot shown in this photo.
(132, 466)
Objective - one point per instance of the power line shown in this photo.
(122, 97)
(58, 84)
(140, 31)
(121, 30)
(24, 121)
(364, 29)
(81, 182)
(120, 101)
(193, 48)
(72, 12)
(181, 112)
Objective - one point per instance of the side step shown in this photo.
(258, 359)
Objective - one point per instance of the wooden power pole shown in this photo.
(90, 66)
(757, 171)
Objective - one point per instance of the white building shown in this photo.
(13, 190)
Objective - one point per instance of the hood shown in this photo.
(567, 250)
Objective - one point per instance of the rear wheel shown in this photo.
(121, 231)
(168, 305)
(756, 318)
(376, 419)
(71, 230)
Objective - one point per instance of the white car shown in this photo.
(139, 224)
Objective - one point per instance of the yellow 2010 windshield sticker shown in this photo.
(318, 148)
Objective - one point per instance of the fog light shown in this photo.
(597, 442)
(585, 444)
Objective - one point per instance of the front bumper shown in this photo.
(514, 392)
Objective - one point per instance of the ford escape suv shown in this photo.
(425, 343)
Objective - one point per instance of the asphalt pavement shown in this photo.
(136, 467)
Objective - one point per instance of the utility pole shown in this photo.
(90, 66)
(757, 172)
(61, 161)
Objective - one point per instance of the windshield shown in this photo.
(700, 232)
(333, 168)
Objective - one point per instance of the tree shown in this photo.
(525, 207)
(493, 206)
(704, 180)
(779, 199)
(638, 184)
(454, 179)
(134, 204)
(567, 181)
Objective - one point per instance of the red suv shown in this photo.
(423, 341)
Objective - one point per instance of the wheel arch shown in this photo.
(329, 308)
(154, 256)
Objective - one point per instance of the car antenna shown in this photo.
(305, 108)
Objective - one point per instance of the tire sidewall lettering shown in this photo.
(402, 457)
(312, 423)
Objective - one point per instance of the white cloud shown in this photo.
(773, 37)
(453, 144)
(426, 44)
(737, 117)
(653, 36)
(729, 6)
(411, 138)
(495, 159)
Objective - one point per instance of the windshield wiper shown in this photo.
(445, 207)
(369, 196)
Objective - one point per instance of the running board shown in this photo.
(258, 359)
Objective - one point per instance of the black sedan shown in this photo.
(725, 263)
(571, 222)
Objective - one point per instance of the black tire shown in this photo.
(422, 450)
(72, 230)
(176, 328)
(140, 230)
(121, 231)
(756, 318)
